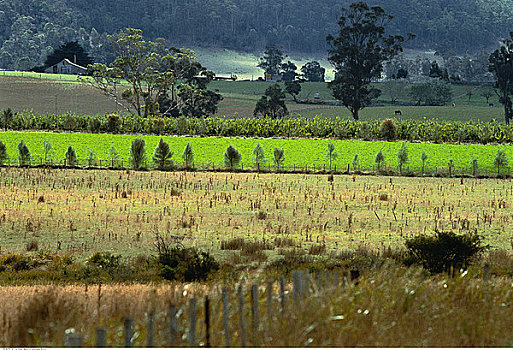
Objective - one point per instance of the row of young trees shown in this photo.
(232, 158)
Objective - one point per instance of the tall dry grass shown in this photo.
(388, 306)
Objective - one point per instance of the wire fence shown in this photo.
(446, 171)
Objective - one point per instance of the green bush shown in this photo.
(105, 260)
(184, 264)
(444, 250)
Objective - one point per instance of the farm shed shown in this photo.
(66, 67)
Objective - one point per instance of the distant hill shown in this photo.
(30, 29)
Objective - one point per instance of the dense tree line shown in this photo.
(30, 30)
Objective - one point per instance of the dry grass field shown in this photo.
(85, 211)
(390, 306)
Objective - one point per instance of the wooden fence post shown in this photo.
(306, 285)
(192, 323)
(269, 305)
(242, 321)
(207, 321)
(128, 326)
(151, 323)
(254, 308)
(486, 272)
(282, 296)
(173, 329)
(226, 318)
(101, 335)
(73, 340)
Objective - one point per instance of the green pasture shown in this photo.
(298, 152)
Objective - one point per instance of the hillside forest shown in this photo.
(30, 30)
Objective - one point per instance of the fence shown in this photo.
(269, 168)
(224, 318)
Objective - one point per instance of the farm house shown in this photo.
(66, 67)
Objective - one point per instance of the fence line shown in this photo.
(304, 293)
(83, 163)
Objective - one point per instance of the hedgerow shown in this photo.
(406, 130)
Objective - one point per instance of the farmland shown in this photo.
(119, 211)
(57, 94)
(299, 153)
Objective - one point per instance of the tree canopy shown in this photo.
(156, 75)
(358, 53)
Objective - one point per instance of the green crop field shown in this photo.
(298, 152)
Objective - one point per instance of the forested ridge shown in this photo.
(31, 29)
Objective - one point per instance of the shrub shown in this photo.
(7, 118)
(188, 155)
(3, 153)
(444, 250)
(184, 264)
(162, 155)
(105, 260)
(232, 157)
(94, 125)
(32, 246)
(23, 153)
(113, 122)
(71, 156)
(137, 154)
(388, 130)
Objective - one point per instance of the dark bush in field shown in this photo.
(444, 250)
(184, 264)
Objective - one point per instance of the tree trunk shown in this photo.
(354, 112)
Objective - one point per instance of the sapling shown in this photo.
(3, 153)
(380, 159)
(137, 153)
(113, 156)
(162, 155)
(259, 156)
(423, 157)
(356, 162)
(23, 153)
(500, 161)
(402, 157)
(232, 157)
(188, 155)
(70, 156)
(278, 157)
(48, 150)
(331, 154)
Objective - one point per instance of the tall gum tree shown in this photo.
(358, 54)
(501, 65)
